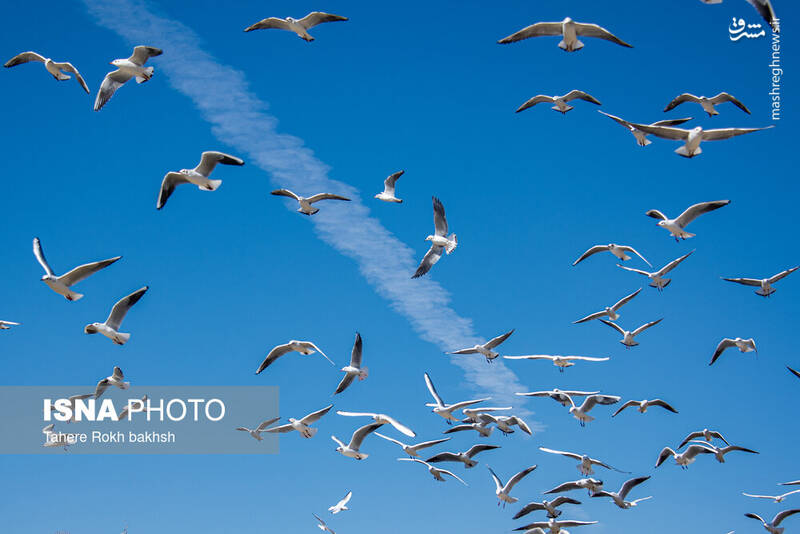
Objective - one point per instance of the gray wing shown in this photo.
(69, 67)
(464, 351)
(629, 485)
(266, 423)
(690, 437)
(680, 99)
(562, 453)
(613, 325)
(113, 81)
(24, 57)
(122, 306)
(764, 8)
(361, 433)
(475, 449)
(326, 196)
(572, 523)
(313, 417)
(723, 345)
(594, 250)
(355, 356)
(590, 317)
(318, 17)
(593, 30)
(745, 281)
(210, 159)
(646, 326)
(168, 184)
(672, 122)
(631, 269)
(528, 508)
(37, 251)
(84, 271)
(665, 132)
(566, 486)
(521, 424)
(783, 275)
(795, 373)
(726, 133)
(580, 95)
(391, 180)
(727, 97)
(444, 457)
(558, 501)
(693, 212)
(268, 23)
(593, 400)
(102, 386)
(616, 119)
(282, 429)
(345, 383)
(625, 300)
(674, 263)
(498, 340)
(142, 53)
(655, 214)
(663, 404)
(538, 99)
(426, 444)
(626, 405)
(432, 389)
(519, 476)
(439, 219)
(627, 248)
(273, 355)
(285, 193)
(783, 515)
(534, 30)
(429, 260)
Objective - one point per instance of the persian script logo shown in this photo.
(739, 28)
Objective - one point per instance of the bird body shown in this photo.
(585, 462)
(683, 459)
(341, 505)
(773, 526)
(693, 137)
(355, 369)
(412, 450)
(57, 70)
(305, 203)
(561, 397)
(503, 491)
(551, 507)
(440, 241)
(110, 328)
(677, 226)
(433, 470)
(628, 336)
(592, 485)
(388, 195)
(559, 102)
(706, 102)
(446, 410)
(132, 67)
(643, 405)
(744, 345)
(198, 176)
(63, 284)
(764, 285)
(568, 29)
(465, 457)
(351, 450)
(562, 362)
(619, 497)
(487, 349)
(610, 311)
(657, 279)
(303, 347)
(256, 432)
(116, 379)
(298, 26)
(581, 413)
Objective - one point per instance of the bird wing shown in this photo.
(285, 193)
(528, 508)
(346, 499)
(631, 269)
(521, 424)
(629, 485)
(655, 214)
(613, 325)
(270, 22)
(764, 8)
(693, 212)
(355, 355)
(573, 523)
(429, 260)
(625, 300)
(210, 159)
(101, 387)
(84, 271)
(689, 438)
(755, 516)
(24, 57)
(580, 95)
(538, 99)
(497, 482)
(463, 404)
(122, 306)
(432, 389)
(680, 99)
(142, 53)
(646, 326)
(387, 438)
(326, 196)
(719, 134)
(516, 478)
(566, 486)
(744, 281)
(446, 472)
(783, 515)
(399, 426)
(318, 17)
(117, 374)
(265, 424)
(37, 251)
(671, 122)
(390, 181)
(593, 30)
(795, 373)
(626, 405)
(593, 400)
(444, 457)
(313, 417)
(718, 436)
(439, 218)
(586, 358)
(361, 433)
(310, 345)
(426, 444)
(627, 248)
(498, 340)
(665, 132)
(113, 81)
(727, 97)
(168, 184)
(345, 383)
(69, 67)
(562, 453)
(663, 404)
(282, 429)
(724, 344)
(590, 317)
(618, 120)
(273, 355)
(461, 428)
(674, 263)
(534, 30)
(693, 450)
(594, 250)
(558, 501)
(464, 351)
(783, 275)
(475, 449)
(530, 357)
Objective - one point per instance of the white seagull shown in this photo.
(305, 202)
(640, 136)
(435, 471)
(764, 285)
(298, 26)
(487, 348)
(351, 450)
(720, 452)
(561, 397)
(643, 405)
(560, 102)
(198, 176)
(706, 434)
(592, 485)
(586, 463)
(617, 250)
(619, 497)
(503, 491)
(446, 410)
(551, 507)
(6, 325)
(303, 426)
(322, 525)
(382, 419)
(610, 311)
(744, 345)
(506, 422)
(693, 137)
(440, 242)
(341, 505)
(412, 450)
(133, 67)
(465, 457)
(354, 369)
(553, 526)
(772, 527)
(776, 498)
(116, 379)
(303, 347)
(62, 284)
(110, 328)
(472, 414)
(581, 413)
(685, 458)
(706, 102)
(562, 362)
(130, 406)
(56, 69)
(569, 30)
(256, 432)
(627, 336)
(677, 226)
(657, 279)
(387, 195)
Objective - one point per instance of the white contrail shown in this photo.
(240, 119)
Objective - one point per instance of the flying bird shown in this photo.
(585, 462)
(110, 328)
(305, 203)
(505, 423)
(56, 69)
(685, 458)
(569, 30)
(619, 497)
(303, 347)
(303, 426)
(554, 526)
(298, 26)
(764, 285)
(387, 195)
(720, 452)
(382, 419)
(133, 67)
(503, 491)
(560, 102)
(641, 137)
(354, 369)
(433, 470)
(561, 397)
(657, 279)
(439, 240)
(412, 450)
(443, 409)
(693, 137)
(610, 311)
(465, 457)
(341, 505)
(617, 250)
(643, 405)
(677, 226)
(487, 349)
(351, 450)
(562, 362)
(744, 345)
(551, 507)
(62, 284)
(627, 337)
(256, 432)
(707, 103)
(706, 434)
(473, 414)
(6, 325)
(581, 413)
(197, 176)
(773, 526)
(481, 428)
(322, 525)
(129, 407)
(592, 485)
(116, 379)
(776, 498)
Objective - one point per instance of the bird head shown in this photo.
(91, 328)
(117, 62)
(429, 238)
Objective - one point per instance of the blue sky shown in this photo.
(233, 273)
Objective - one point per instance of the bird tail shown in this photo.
(122, 339)
(363, 373)
(564, 110)
(645, 142)
(766, 293)
(574, 48)
(452, 246)
(146, 75)
(74, 296)
(212, 185)
(683, 151)
(61, 76)
(312, 431)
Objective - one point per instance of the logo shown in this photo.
(739, 29)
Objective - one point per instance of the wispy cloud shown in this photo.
(240, 119)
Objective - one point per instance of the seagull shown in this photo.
(197, 176)
(677, 226)
(617, 250)
(124, 412)
(795, 373)
(5, 325)
(550, 506)
(486, 348)
(504, 423)
(591, 484)
(256, 432)
(481, 428)
(110, 328)
(412, 450)
(627, 338)
(341, 505)
(720, 452)
(554, 526)
(354, 369)
(303, 347)
(693, 137)
(301, 425)
(472, 414)
(351, 450)
(322, 525)
(619, 497)
(773, 527)
(586, 463)
(56, 69)
(706, 434)
(744, 345)
(560, 101)
(562, 362)
(446, 410)
(503, 490)
(436, 472)
(641, 137)
(388, 188)
(581, 413)
(298, 26)
(643, 405)
(305, 203)
(463, 457)
(382, 419)
(569, 30)
(116, 379)
(439, 240)
(707, 103)
(561, 397)
(765, 288)
(656, 278)
(610, 311)
(776, 498)
(133, 67)
(685, 458)
(61, 284)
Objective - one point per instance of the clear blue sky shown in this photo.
(422, 87)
